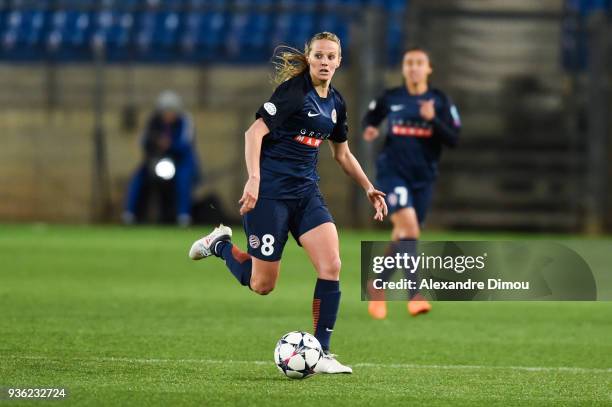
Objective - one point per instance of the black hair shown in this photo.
(424, 50)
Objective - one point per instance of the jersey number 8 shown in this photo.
(267, 247)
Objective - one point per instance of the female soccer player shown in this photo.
(421, 120)
(282, 194)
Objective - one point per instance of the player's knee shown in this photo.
(412, 233)
(330, 270)
(262, 287)
(407, 232)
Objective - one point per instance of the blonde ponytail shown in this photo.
(290, 62)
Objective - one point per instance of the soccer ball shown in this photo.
(296, 354)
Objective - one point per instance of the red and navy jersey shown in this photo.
(299, 121)
(413, 145)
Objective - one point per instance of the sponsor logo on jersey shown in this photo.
(315, 134)
(270, 108)
(312, 114)
(411, 131)
(334, 116)
(308, 141)
(254, 241)
(396, 108)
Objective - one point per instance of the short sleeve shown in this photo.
(286, 100)
(447, 123)
(454, 114)
(340, 132)
(377, 111)
(448, 113)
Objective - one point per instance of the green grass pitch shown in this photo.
(121, 316)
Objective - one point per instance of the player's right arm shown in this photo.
(253, 138)
(286, 99)
(377, 111)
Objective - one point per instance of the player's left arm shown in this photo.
(446, 122)
(347, 161)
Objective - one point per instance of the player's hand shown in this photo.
(377, 199)
(249, 196)
(370, 133)
(427, 110)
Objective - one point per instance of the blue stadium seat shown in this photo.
(586, 7)
(113, 29)
(293, 29)
(248, 37)
(82, 5)
(149, 33)
(396, 6)
(344, 5)
(299, 5)
(336, 24)
(203, 36)
(123, 5)
(263, 3)
(165, 4)
(68, 35)
(158, 33)
(189, 39)
(206, 5)
(188, 30)
(23, 34)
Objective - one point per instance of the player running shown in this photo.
(282, 193)
(421, 120)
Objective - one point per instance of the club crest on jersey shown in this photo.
(270, 108)
(392, 198)
(254, 241)
(334, 116)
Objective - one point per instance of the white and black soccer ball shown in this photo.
(296, 354)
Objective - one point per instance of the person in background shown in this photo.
(422, 120)
(169, 136)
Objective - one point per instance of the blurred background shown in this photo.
(531, 79)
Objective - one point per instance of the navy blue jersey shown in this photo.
(413, 145)
(299, 121)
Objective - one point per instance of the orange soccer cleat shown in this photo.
(418, 305)
(377, 309)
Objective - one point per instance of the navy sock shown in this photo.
(238, 262)
(325, 310)
(408, 246)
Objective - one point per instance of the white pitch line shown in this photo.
(460, 367)
(364, 364)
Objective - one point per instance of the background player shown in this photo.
(282, 194)
(421, 120)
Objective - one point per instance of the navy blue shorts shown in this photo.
(401, 194)
(267, 226)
